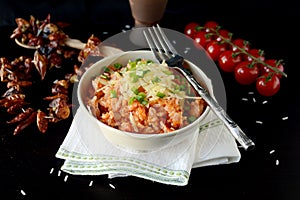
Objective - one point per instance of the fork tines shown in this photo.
(159, 43)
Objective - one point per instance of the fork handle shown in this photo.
(234, 129)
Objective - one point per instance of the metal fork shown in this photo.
(163, 50)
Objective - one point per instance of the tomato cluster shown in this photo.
(249, 65)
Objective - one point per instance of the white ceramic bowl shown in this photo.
(134, 141)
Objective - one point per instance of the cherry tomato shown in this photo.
(191, 29)
(214, 49)
(202, 38)
(268, 84)
(224, 34)
(210, 25)
(273, 63)
(246, 72)
(256, 53)
(228, 60)
(243, 44)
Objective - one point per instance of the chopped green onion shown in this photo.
(191, 118)
(139, 73)
(106, 69)
(113, 94)
(144, 102)
(149, 61)
(132, 65)
(155, 80)
(141, 96)
(104, 76)
(134, 77)
(131, 100)
(160, 95)
(168, 72)
(135, 90)
(117, 66)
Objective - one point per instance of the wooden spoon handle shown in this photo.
(74, 43)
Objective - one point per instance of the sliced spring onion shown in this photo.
(117, 66)
(106, 69)
(113, 94)
(156, 79)
(191, 118)
(160, 95)
(131, 65)
(135, 90)
(141, 96)
(168, 72)
(104, 77)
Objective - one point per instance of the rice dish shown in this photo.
(143, 97)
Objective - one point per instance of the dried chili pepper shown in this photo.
(23, 124)
(91, 48)
(16, 107)
(40, 61)
(19, 74)
(22, 26)
(63, 110)
(22, 116)
(41, 121)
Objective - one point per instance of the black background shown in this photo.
(26, 159)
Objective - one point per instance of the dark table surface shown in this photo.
(27, 160)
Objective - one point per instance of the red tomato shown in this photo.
(256, 53)
(191, 29)
(214, 49)
(246, 72)
(224, 34)
(268, 85)
(210, 25)
(273, 63)
(228, 60)
(202, 38)
(243, 44)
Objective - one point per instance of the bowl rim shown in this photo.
(113, 59)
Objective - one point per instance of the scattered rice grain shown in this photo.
(284, 118)
(254, 100)
(244, 99)
(127, 26)
(264, 102)
(277, 162)
(91, 183)
(112, 186)
(250, 92)
(259, 122)
(23, 193)
(174, 41)
(66, 178)
(104, 32)
(58, 173)
(187, 50)
(272, 151)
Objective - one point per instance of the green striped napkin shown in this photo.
(87, 152)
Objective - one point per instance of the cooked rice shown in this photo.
(143, 97)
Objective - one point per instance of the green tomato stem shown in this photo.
(248, 54)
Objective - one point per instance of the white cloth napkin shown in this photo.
(87, 152)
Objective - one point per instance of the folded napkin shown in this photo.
(87, 152)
